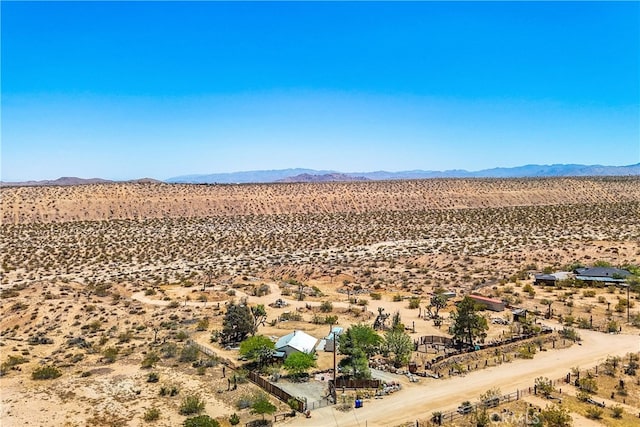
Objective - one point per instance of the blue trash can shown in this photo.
(358, 403)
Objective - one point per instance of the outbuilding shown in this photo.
(488, 303)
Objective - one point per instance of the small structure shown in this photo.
(449, 294)
(551, 279)
(330, 340)
(296, 341)
(601, 274)
(519, 314)
(488, 303)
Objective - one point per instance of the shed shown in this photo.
(488, 303)
(330, 340)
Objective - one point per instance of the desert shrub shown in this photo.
(594, 413)
(150, 359)
(588, 385)
(191, 404)
(326, 307)
(570, 334)
(612, 326)
(376, 296)
(616, 411)
(244, 402)
(288, 315)
(397, 298)
(47, 372)
(173, 304)
(414, 303)
(169, 390)
(153, 377)
(109, 354)
(189, 353)
(201, 421)
(151, 414)
(203, 324)
(234, 419)
(589, 293)
(169, 350)
(527, 351)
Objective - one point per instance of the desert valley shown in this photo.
(138, 303)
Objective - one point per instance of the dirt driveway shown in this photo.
(418, 401)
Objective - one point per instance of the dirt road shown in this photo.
(418, 401)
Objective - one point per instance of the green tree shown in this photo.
(299, 363)
(399, 344)
(258, 348)
(259, 316)
(358, 343)
(201, 421)
(238, 323)
(362, 337)
(467, 323)
(261, 405)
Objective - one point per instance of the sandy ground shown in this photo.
(419, 401)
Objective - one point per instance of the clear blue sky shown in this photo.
(123, 90)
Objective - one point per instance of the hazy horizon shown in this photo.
(124, 90)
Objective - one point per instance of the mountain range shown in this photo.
(312, 175)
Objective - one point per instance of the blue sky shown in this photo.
(123, 90)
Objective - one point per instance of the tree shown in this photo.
(556, 416)
(399, 344)
(258, 348)
(298, 363)
(438, 302)
(259, 315)
(548, 303)
(261, 405)
(467, 323)
(396, 322)
(237, 324)
(358, 343)
(201, 421)
(362, 337)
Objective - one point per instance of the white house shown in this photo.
(296, 341)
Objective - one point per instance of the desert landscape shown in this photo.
(115, 297)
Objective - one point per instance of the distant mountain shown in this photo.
(311, 175)
(327, 177)
(244, 177)
(71, 180)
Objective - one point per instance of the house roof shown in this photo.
(298, 340)
(546, 277)
(599, 279)
(603, 272)
(486, 299)
(558, 275)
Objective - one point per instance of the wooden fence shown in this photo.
(353, 383)
(276, 391)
